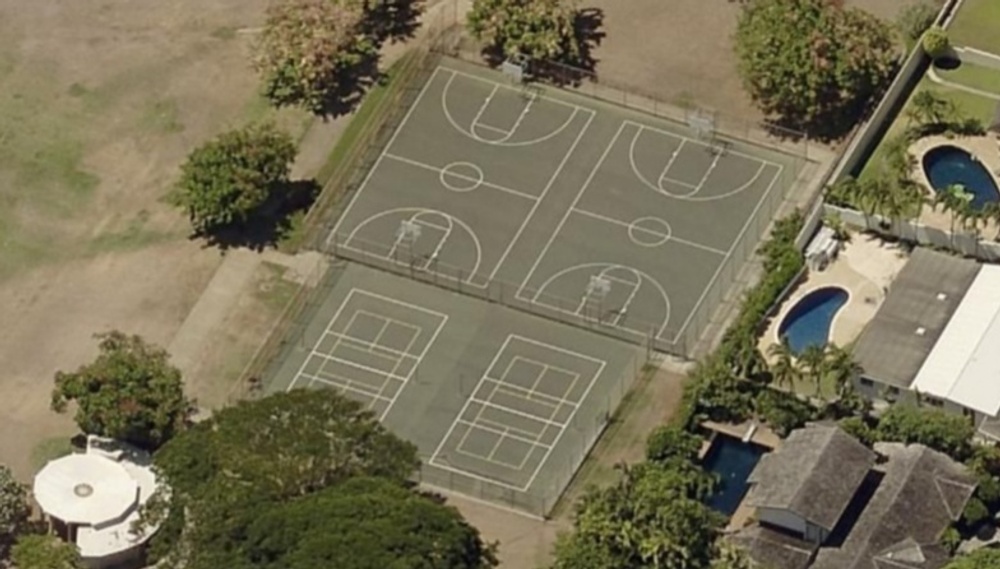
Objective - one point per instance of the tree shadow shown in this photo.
(393, 20)
(352, 85)
(270, 223)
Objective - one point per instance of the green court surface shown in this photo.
(564, 206)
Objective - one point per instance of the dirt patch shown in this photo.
(100, 100)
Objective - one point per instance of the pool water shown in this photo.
(949, 165)
(808, 322)
(732, 461)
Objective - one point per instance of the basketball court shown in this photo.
(564, 206)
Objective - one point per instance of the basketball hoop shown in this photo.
(598, 287)
(408, 232)
(515, 68)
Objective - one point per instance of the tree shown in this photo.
(226, 180)
(939, 430)
(14, 509)
(45, 552)
(985, 558)
(268, 450)
(359, 524)
(956, 201)
(936, 43)
(669, 442)
(812, 366)
(841, 369)
(784, 372)
(915, 19)
(540, 29)
(928, 108)
(812, 63)
(130, 392)
(654, 516)
(729, 556)
(314, 53)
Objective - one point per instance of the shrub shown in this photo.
(670, 441)
(936, 43)
(915, 19)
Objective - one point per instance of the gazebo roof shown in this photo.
(86, 489)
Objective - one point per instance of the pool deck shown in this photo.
(985, 148)
(865, 267)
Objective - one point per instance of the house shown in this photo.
(933, 339)
(825, 501)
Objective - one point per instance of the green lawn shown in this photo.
(977, 25)
(969, 103)
(975, 76)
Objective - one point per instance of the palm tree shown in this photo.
(991, 213)
(812, 365)
(783, 369)
(841, 367)
(955, 200)
(927, 107)
(837, 225)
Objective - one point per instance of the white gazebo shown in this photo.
(94, 498)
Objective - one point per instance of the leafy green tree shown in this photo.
(936, 43)
(654, 516)
(130, 392)
(975, 513)
(45, 552)
(812, 366)
(14, 509)
(915, 19)
(784, 371)
(669, 442)
(540, 29)
(226, 180)
(841, 368)
(729, 556)
(939, 430)
(980, 559)
(273, 449)
(812, 63)
(928, 108)
(363, 523)
(313, 53)
(783, 412)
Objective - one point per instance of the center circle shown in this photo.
(649, 231)
(462, 176)
(83, 490)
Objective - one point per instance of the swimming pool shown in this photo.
(732, 461)
(808, 322)
(949, 165)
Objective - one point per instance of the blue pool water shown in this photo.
(948, 165)
(732, 461)
(808, 322)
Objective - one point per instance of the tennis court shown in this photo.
(587, 213)
(503, 406)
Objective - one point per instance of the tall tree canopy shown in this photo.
(14, 509)
(130, 392)
(45, 552)
(257, 454)
(654, 516)
(311, 52)
(541, 29)
(226, 180)
(812, 64)
(946, 432)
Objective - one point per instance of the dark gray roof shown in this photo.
(889, 349)
(921, 493)
(814, 473)
(772, 549)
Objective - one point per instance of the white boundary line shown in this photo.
(569, 420)
(509, 88)
(697, 142)
(726, 259)
(673, 236)
(496, 505)
(378, 161)
(569, 211)
(545, 191)
(490, 185)
(442, 320)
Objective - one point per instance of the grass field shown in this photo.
(977, 25)
(969, 103)
(975, 76)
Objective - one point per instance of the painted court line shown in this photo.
(682, 138)
(490, 185)
(569, 211)
(673, 237)
(388, 376)
(378, 161)
(600, 364)
(508, 88)
(726, 259)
